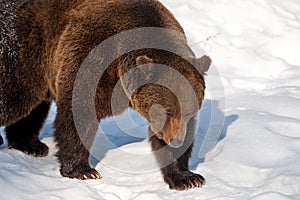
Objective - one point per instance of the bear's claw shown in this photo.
(184, 181)
(81, 173)
(92, 174)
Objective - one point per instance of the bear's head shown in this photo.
(168, 91)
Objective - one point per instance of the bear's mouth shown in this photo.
(172, 142)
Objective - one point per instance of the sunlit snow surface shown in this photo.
(255, 47)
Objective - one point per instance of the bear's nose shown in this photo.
(176, 143)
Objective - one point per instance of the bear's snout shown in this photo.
(176, 143)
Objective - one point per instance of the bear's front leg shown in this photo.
(73, 149)
(23, 135)
(174, 161)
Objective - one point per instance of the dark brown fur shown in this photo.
(54, 37)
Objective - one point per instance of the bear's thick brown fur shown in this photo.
(43, 44)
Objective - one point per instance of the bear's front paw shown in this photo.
(33, 148)
(184, 180)
(81, 172)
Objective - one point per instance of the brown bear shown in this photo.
(43, 45)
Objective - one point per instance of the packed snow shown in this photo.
(253, 87)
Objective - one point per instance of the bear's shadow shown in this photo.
(212, 128)
(130, 127)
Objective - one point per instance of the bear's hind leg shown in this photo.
(1, 140)
(23, 135)
(73, 148)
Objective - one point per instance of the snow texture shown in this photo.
(256, 155)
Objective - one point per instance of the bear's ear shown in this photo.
(202, 64)
(145, 66)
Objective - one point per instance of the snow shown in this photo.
(256, 155)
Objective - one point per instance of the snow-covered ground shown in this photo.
(255, 46)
